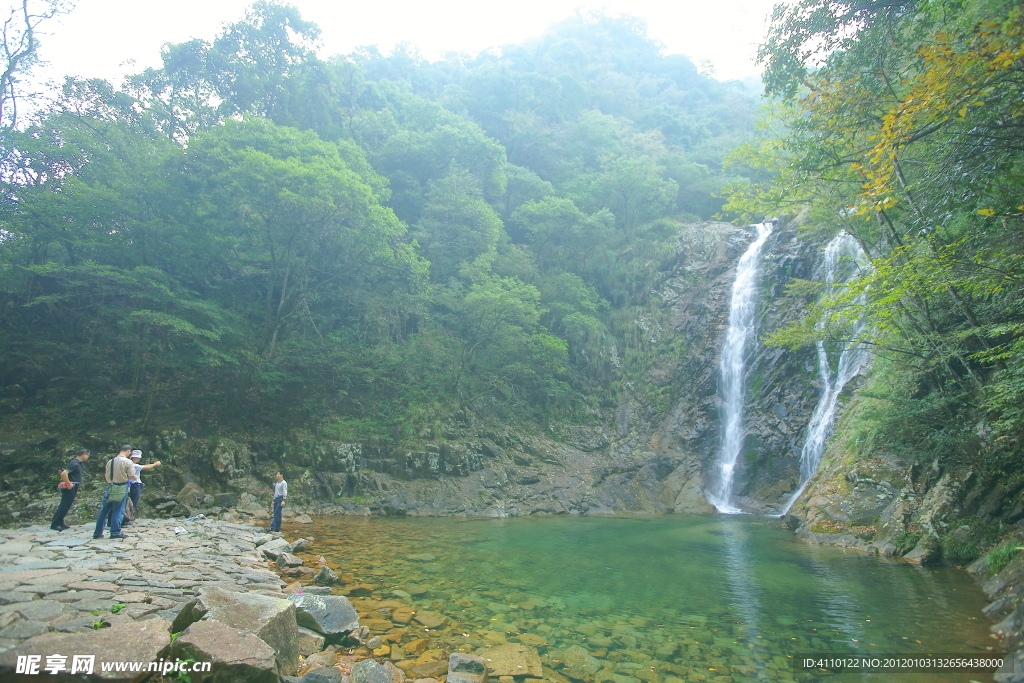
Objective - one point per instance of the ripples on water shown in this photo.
(658, 599)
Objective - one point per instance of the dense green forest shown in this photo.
(253, 237)
(903, 123)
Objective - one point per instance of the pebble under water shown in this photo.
(654, 599)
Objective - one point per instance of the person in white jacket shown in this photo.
(280, 494)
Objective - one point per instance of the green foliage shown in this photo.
(958, 551)
(905, 541)
(250, 237)
(1000, 556)
(900, 124)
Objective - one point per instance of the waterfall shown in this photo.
(741, 327)
(843, 260)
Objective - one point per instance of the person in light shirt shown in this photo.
(135, 487)
(280, 494)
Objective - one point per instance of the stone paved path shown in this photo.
(69, 582)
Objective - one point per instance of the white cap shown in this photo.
(136, 454)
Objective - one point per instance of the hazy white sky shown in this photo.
(110, 38)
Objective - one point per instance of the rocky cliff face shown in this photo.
(638, 458)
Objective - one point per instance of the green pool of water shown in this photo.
(658, 599)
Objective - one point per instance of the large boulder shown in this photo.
(128, 641)
(272, 620)
(235, 656)
(326, 614)
(466, 668)
(190, 494)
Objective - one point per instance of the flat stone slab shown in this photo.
(93, 605)
(71, 542)
(8, 597)
(513, 660)
(24, 629)
(75, 596)
(60, 577)
(15, 548)
(93, 585)
(41, 610)
(39, 564)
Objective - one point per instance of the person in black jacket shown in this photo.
(70, 480)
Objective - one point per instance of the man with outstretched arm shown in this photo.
(70, 480)
(135, 487)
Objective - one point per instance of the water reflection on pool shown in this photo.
(653, 599)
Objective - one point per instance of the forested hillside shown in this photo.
(252, 237)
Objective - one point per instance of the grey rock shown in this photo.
(301, 545)
(189, 494)
(369, 671)
(317, 590)
(235, 656)
(24, 629)
(8, 597)
(72, 542)
(273, 620)
(275, 547)
(40, 610)
(326, 614)
(310, 642)
(42, 564)
(93, 605)
(326, 576)
(324, 674)
(466, 668)
(286, 559)
(225, 500)
(397, 675)
(261, 538)
(76, 624)
(15, 548)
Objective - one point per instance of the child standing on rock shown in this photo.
(280, 494)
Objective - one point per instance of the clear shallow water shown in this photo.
(660, 599)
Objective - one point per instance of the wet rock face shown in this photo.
(782, 386)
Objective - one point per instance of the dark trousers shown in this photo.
(112, 510)
(134, 493)
(275, 524)
(67, 497)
